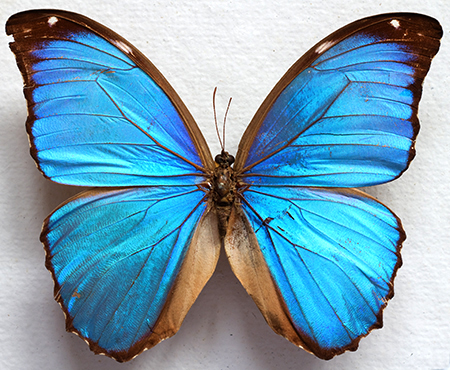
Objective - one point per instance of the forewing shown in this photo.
(129, 263)
(319, 263)
(345, 114)
(99, 112)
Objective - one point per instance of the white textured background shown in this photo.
(243, 47)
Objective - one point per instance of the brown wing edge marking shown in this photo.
(249, 266)
(426, 24)
(20, 22)
(197, 268)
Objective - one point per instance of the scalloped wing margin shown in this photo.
(129, 263)
(319, 263)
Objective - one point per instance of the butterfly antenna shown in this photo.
(215, 118)
(225, 120)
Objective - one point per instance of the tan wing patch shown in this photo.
(249, 266)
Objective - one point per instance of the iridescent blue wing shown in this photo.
(128, 265)
(345, 114)
(320, 262)
(99, 112)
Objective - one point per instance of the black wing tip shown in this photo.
(422, 24)
(18, 19)
(33, 26)
(429, 23)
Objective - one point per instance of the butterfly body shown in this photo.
(130, 256)
(224, 189)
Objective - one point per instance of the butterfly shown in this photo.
(130, 256)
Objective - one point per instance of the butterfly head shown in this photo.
(224, 159)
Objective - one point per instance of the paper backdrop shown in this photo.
(243, 48)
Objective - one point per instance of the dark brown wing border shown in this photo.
(427, 24)
(18, 23)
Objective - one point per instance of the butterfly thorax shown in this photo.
(223, 189)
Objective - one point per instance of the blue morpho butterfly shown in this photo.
(130, 257)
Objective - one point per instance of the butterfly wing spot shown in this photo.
(395, 23)
(52, 21)
(73, 299)
(75, 294)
